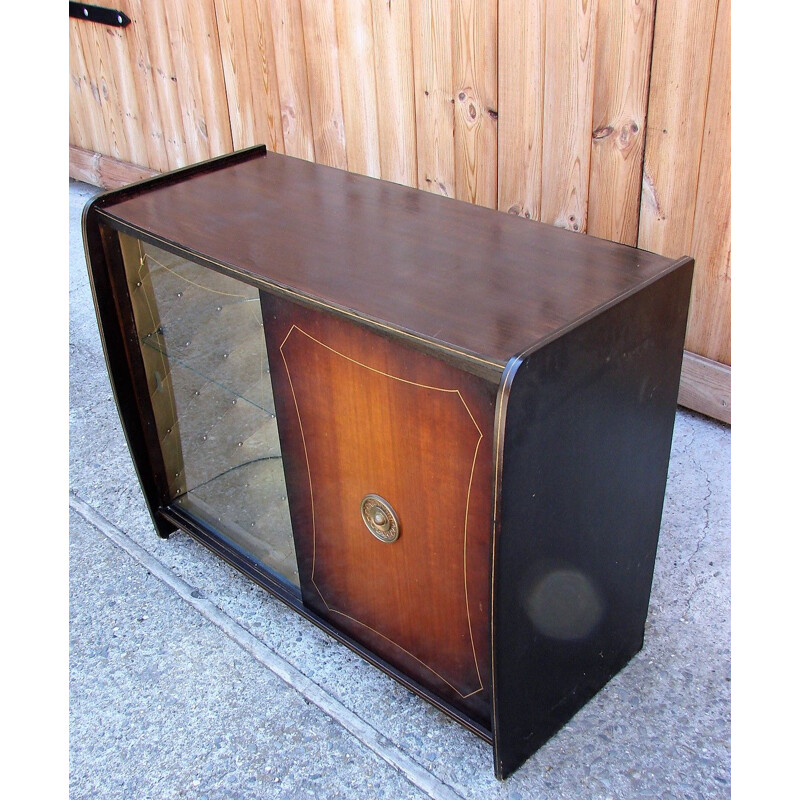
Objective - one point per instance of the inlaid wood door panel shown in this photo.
(360, 414)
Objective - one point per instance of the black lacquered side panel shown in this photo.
(123, 359)
(588, 432)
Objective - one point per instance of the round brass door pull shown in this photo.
(380, 518)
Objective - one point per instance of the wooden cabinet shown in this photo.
(367, 418)
(439, 432)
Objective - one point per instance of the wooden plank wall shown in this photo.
(607, 117)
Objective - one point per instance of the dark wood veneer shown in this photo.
(510, 388)
(483, 284)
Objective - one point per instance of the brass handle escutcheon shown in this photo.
(380, 518)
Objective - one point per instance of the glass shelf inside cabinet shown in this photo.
(202, 342)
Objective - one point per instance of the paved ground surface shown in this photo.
(186, 680)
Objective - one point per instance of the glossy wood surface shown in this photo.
(361, 414)
(472, 280)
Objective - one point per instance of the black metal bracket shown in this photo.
(105, 16)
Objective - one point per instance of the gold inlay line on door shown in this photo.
(313, 516)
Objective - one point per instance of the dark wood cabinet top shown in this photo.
(470, 280)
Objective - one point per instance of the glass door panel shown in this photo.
(202, 341)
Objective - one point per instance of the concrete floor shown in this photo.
(186, 680)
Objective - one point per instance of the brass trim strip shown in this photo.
(501, 410)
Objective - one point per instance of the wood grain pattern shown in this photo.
(200, 81)
(706, 387)
(122, 96)
(431, 26)
(233, 29)
(475, 91)
(394, 75)
(570, 34)
(140, 148)
(520, 87)
(358, 86)
(185, 76)
(159, 68)
(500, 284)
(709, 314)
(422, 601)
(622, 73)
(684, 33)
(566, 150)
(82, 117)
(109, 173)
(215, 123)
(96, 89)
(149, 110)
(325, 97)
(110, 108)
(290, 63)
(251, 80)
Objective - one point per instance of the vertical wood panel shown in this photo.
(82, 117)
(198, 72)
(325, 97)
(394, 75)
(100, 113)
(100, 57)
(206, 54)
(520, 88)
(140, 64)
(251, 81)
(684, 32)
(475, 88)
(139, 147)
(153, 18)
(622, 71)
(290, 62)
(537, 107)
(74, 135)
(233, 28)
(184, 76)
(107, 81)
(570, 33)
(431, 26)
(287, 37)
(709, 316)
(358, 86)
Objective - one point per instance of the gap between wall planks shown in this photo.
(356, 41)
(622, 78)
(685, 200)
(543, 108)
(569, 73)
(709, 314)
(475, 100)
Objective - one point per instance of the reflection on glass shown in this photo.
(202, 341)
